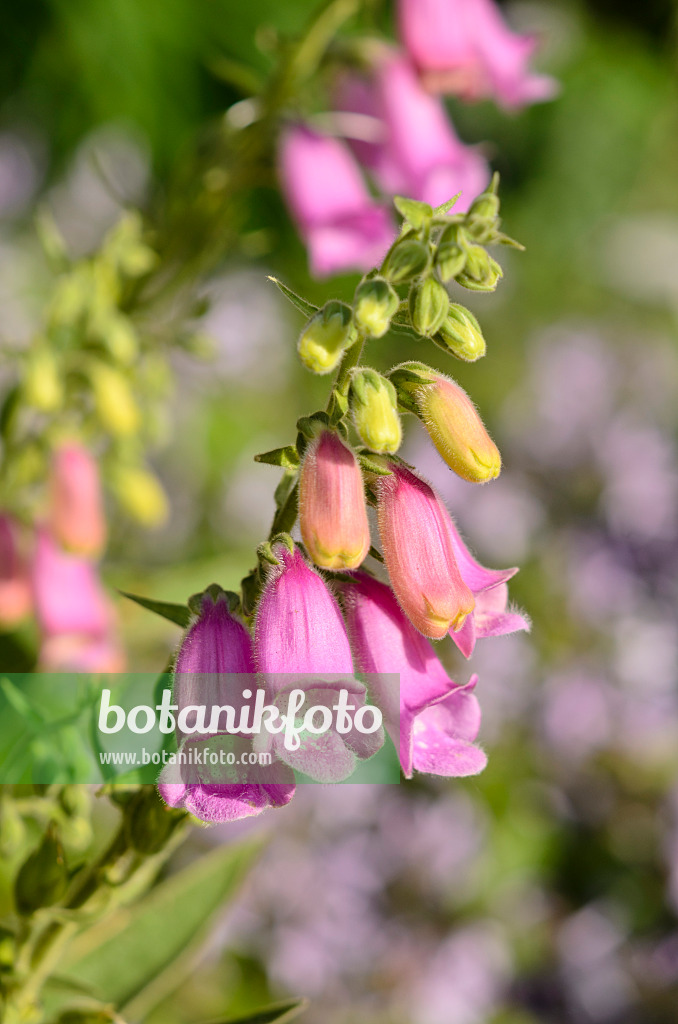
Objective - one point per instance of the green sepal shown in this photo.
(416, 213)
(369, 465)
(310, 426)
(285, 487)
(446, 207)
(376, 554)
(305, 307)
(195, 601)
(338, 407)
(286, 457)
(499, 238)
(177, 613)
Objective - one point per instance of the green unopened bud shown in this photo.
(114, 400)
(149, 822)
(117, 333)
(428, 306)
(43, 877)
(141, 495)
(374, 306)
(486, 207)
(42, 384)
(450, 255)
(481, 272)
(374, 407)
(326, 335)
(460, 334)
(12, 828)
(406, 260)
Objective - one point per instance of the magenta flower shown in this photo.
(418, 540)
(465, 47)
(343, 227)
(15, 587)
(76, 515)
(301, 642)
(432, 721)
(418, 154)
(332, 510)
(491, 615)
(215, 665)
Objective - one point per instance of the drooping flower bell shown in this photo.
(451, 420)
(215, 665)
(76, 515)
(15, 587)
(465, 47)
(343, 227)
(415, 152)
(491, 615)
(301, 642)
(332, 510)
(416, 535)
(432, 721)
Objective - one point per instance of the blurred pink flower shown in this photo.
(465, 47)
(343, 227)
(15, 587)
(76, 515)
(215, 646)
(418, 539)
(301, 642)
(432, 720)
(417, 153)
(76, 619)
(332, 509)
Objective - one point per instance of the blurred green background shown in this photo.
(547, 889)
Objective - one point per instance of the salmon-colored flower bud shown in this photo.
(15, 587)
(374, 406)
(451, 419)
(76, 514)
(417, 539)
(332, 510)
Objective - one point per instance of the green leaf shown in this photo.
(446, 207)
(307, 308)
(287, 457)
(278, 1012)
(177, 613)
(20, 703)
(119, 956)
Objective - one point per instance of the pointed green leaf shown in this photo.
(416, 213)
(287, 457)
(120, 955)
(445, 207)
(177, 613)
(307, 308)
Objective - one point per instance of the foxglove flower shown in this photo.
(15, 587)
(76, 516)
(301, 642)
(465, 47)
(76, 619)
(432, 721)
(216, 647)
(492, 615)
(343, 227)
(417, 539)
(451, 420)
(417, 153)
(332, 510)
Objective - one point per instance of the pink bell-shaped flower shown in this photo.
(215, 665)
(343, 227)
(415, 151)
(465, 47)
(332, 510)
(432, 721)
(417, 539)
(301, 643)
(76, 515)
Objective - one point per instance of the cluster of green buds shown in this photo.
(325, 470)
(96, 369)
